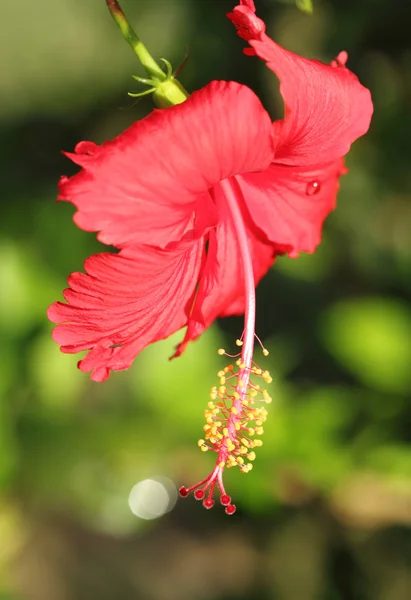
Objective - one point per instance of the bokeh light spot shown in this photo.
(152, 498)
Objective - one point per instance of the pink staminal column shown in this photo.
(228, 420)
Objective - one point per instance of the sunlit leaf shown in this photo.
(26, 288)
(305, 5)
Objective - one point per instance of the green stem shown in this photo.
(128, 33)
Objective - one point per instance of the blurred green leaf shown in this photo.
(392, 459)
(8, 447)
(309, 267)
(371, 337)
(57, 381)
(178, 390)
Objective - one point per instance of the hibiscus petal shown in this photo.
(326, 107)
(221, 289)
(143, 185)
(290, 204)
(124, 302)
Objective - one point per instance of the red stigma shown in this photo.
(225, 499)
(230, 509)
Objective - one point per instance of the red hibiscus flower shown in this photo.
(198, 199)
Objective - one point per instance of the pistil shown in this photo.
(232, 419)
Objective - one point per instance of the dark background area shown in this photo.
(325, 514)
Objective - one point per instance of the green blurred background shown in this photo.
(325, 513)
